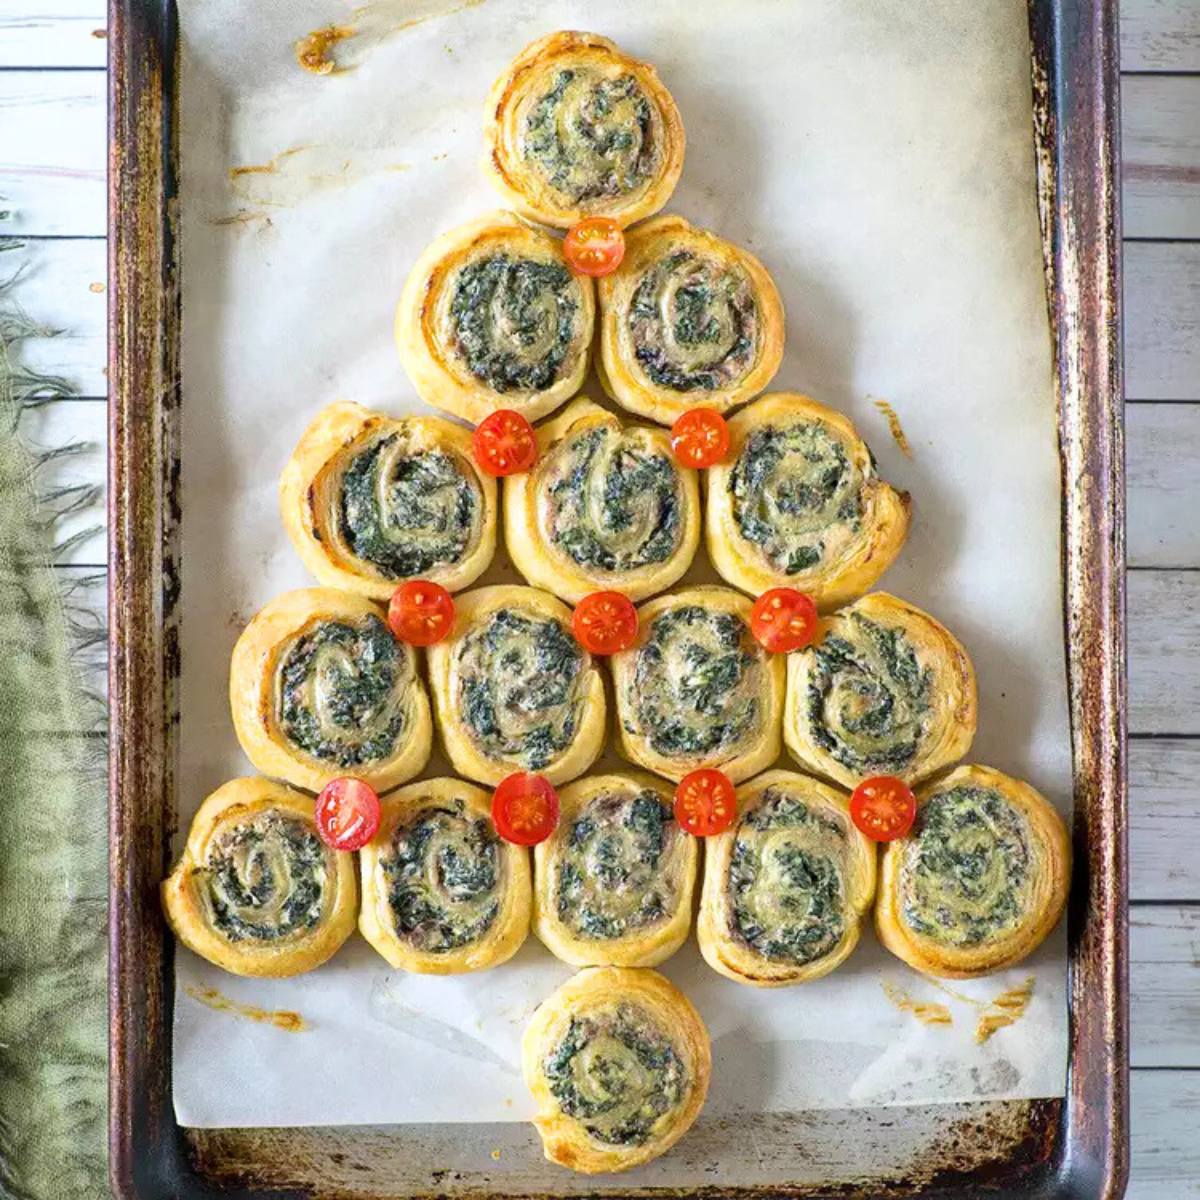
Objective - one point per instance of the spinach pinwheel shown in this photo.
(979, 881)
(256, 891)
(618, 1062)
(886, 690)
(441, 892)
(319, 688)
(605, 506)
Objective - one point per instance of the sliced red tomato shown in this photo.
(700, 437)
(595, 246)
(504, 443)
(525, 809)
(705, 802)
(783, 620)
(605, 622)
(420, 612)
(883, 808)
(347, 813)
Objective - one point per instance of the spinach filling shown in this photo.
(868, 698)
(265, 879)
(619, 868)
(343, 692)
(443, 870)
(521, 682)
(407, 512)
(696, 683)
(617, 1073)
(615, 502)
(693, 323)
(787, 894)
(515, 321)
(796, 495)
(591, 138)
(967, 874)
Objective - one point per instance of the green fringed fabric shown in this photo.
(53, 859)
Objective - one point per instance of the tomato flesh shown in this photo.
(504, 443)
(700, 438)
(783, 620)
(347, 813)
(705, 802)
(420, 612)
(525, 809)
(595, 246)
(605, 622)
(883, 808)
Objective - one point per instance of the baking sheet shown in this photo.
(878, 157)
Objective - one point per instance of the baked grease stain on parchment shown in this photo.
(894, 427)
(292, 176)
(369, 25)
(285, 1019)
(1005, 1009)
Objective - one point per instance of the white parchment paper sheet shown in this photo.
(878, 157)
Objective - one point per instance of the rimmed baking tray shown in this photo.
(1074, 1146)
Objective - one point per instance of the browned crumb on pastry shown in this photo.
(290, 1022)
(1007, 1008)
(897, 430)
(313, 50)
(927, 1012)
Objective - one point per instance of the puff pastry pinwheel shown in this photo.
(696, 690)
(576, 128)
(441, 892)
(613, 883)
(604, 507)
(370, 501)
(513, 689)
(886, 690)
(491, 317)
(256, 891)
(787, 886)
(797, 503)
(618, 1062)
(319, 688)
(687, 320)
(979, 881)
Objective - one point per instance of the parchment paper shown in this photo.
(878, 157)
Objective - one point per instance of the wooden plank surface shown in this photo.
(52, 151)
(1160, 35)
(1162, 320)
(1160, 156)
(1162, 452)
(52, 33)
(1164, 818)
(1166, 1150)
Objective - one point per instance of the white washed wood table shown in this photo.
(52, 172)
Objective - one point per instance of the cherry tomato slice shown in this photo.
(705, 803)
(595, 246)
(420, 612)
(783, 620)
(883, 808)
(605, 622)
(504, 443)
(700, 437)
(525, 809)
(347, 813)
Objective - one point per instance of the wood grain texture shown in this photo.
(1165, 986)
(52, 151)
(1160, 155)
(1166, 1150)
(1162, 447)
(1164, 819)
(52, 33)
(1164, 652)
(1162, 321)
(1160, 35)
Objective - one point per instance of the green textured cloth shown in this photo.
(53, 864)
